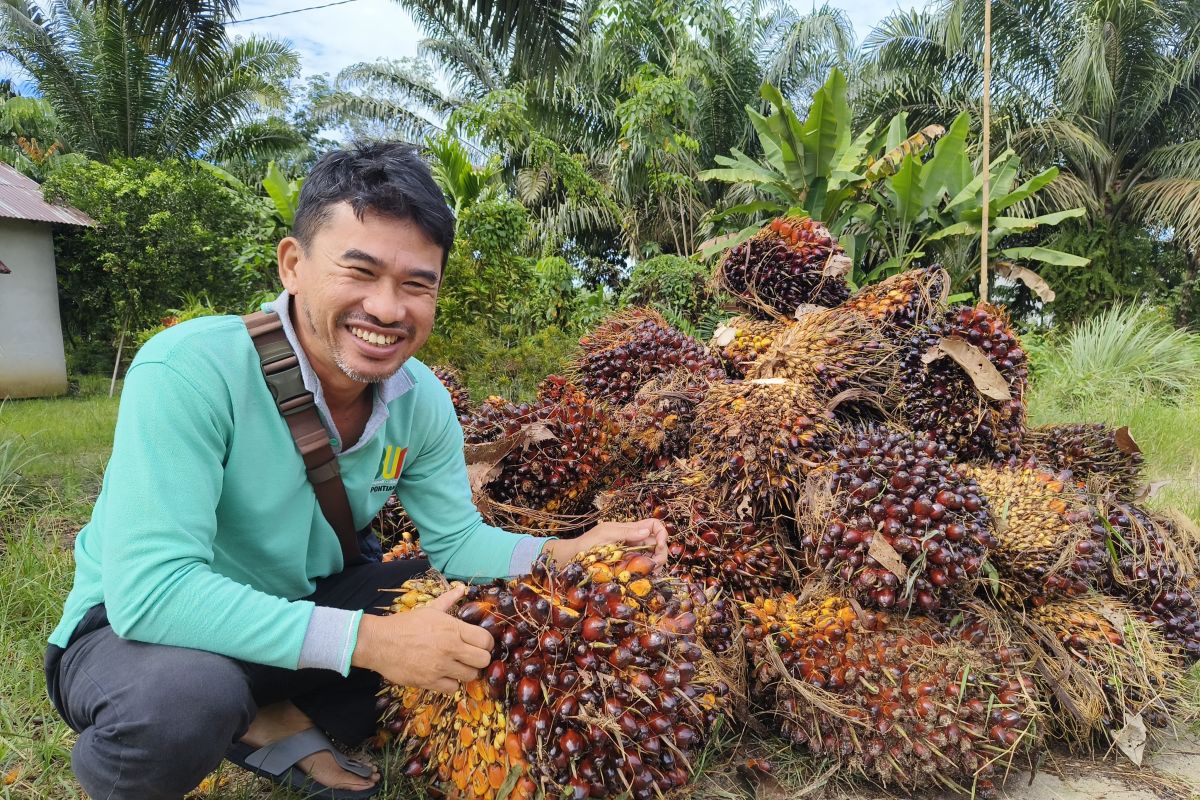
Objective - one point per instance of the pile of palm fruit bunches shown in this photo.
(871, 555)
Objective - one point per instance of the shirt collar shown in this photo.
(383, 393)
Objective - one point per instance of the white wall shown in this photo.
(32, 363)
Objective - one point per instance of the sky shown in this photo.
(329, 39)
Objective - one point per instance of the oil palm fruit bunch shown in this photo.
(630, 348)
(895, 699)
(791, 262)
(739, 341)
(706, 543)
(831, 350)
(903, 301)
(1127, 665)
(598, 685)
(1154, 570)
(397, 534)
(1049, 541)
(1107, 459)
(899, 524)
(940, 398)
(755, 440)
(559, 444)
(656, 426)
(458, 391)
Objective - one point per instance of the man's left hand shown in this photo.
(642, 532)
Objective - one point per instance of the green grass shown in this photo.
(56, 453)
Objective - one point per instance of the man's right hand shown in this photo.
(427, 647)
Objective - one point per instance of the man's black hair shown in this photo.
(388, 178)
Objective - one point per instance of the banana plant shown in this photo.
(284, 194)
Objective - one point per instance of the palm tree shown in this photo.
(114, 98)
(188, 33)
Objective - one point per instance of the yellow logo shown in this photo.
(393, 462)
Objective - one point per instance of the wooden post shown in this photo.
(987, 147)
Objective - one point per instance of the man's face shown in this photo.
(365, 294)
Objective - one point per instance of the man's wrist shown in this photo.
(364, 647)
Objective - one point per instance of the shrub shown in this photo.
(676, 286)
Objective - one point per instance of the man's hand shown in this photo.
(642, 532)
(427, 647)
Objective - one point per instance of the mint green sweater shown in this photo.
(206, 530)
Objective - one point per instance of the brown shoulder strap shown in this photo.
(281, 368)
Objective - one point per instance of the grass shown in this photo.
(52, 453)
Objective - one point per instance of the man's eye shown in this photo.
(364, 271)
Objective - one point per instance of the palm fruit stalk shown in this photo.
(831, 350)
(1049, 541)
(630, 348)
(458, 391)
(1154, 570)
(757, 439)
(598, 686)
(739, 341)
(1106, 459)
(657, 425)
(897, 700)
(896, 522)
(940, 399)
(397, 534)
(903, 301)
(706, 542)
(791, 262)
(1127, 667)
(545, 456)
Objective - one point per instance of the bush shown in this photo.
(673, 285)
(508, 364)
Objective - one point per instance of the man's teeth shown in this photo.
(373, 338)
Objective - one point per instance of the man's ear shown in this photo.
(288, 255)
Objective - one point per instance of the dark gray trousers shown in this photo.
(153, 720)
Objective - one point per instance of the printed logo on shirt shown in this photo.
(390, 468)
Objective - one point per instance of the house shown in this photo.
(32, 362)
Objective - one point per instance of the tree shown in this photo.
(113, 97)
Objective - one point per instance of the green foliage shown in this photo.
(463, 183)
(672, 285)
(510, 363)
(284, 194)
(166, 230)
(1122, 356)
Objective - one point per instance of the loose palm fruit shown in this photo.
(1106, 459)
(790, 263)
(458, 392)
(899, 525)
(630, 348)
(898, 700)
(741, 340)
(559, 445)
(397, 534)
(1049, 542)
(598, 684)
(830, 350)
(1127, 667)
(938, 397)
(903, 301)
(755, 440)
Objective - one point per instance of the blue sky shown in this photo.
(364, 30)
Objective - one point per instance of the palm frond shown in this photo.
(1171, 204)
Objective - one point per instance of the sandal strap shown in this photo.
(278, 757)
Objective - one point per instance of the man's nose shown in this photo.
(385, 306)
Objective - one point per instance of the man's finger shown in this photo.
(445, 685)
(477, 637)
(462, 672)
(446, 600)
(474, 657)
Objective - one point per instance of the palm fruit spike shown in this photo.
(1155, 571)
(739, 341)
(899, 525)
(630, 348)
(397, 534)
(454, 384)
(706, 543)
(1049, 542)
(890, 698)
(831, 350)
(1107, 459)
(791, 262)
(1127, 667)
(940, 399)
(756, 440)
(903, 301)
(559, 444)
(656, 426)
(598, 686)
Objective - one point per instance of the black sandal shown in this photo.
(277, 761)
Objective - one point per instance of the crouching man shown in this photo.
(213, 613)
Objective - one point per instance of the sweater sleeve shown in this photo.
(162, 487)
(436, 493)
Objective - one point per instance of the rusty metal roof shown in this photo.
(21, 198)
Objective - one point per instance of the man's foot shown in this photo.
(281, 720)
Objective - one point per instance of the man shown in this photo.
(212, 614)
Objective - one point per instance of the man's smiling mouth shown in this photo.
(373, 338)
